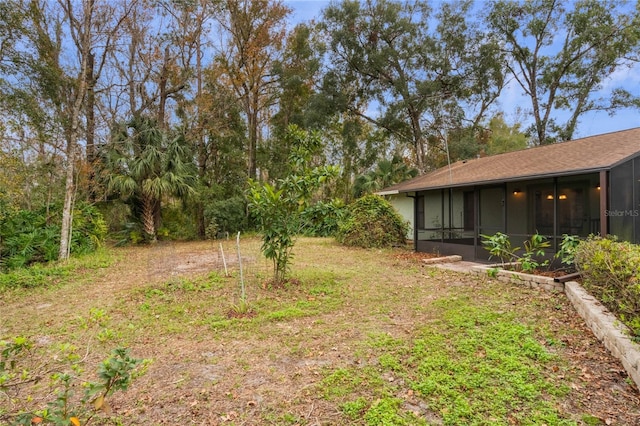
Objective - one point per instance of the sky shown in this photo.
(512, 96)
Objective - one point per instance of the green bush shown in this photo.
(177, 224)
(323, 218)
(89, 229)
(611, 273)
(29, 237)
(372, 221)
(227, 215)
(116, 373)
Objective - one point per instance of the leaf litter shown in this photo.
(266, 369)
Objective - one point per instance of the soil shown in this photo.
(206, 378)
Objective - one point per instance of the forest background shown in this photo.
(150, 119)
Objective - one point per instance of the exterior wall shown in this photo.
(404, 205)
(457, 210)
(433, 212)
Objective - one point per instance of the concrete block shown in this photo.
(605, 326)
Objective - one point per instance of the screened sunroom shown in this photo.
(581, 187)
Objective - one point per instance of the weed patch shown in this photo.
(474, 365)
(51, 274)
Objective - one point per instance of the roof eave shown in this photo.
(391, 192)
(512, 179)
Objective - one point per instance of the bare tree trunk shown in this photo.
(69, 186)
(82, 39)
(202, 149)
(162, 87)
(253, 144)
(67, 210)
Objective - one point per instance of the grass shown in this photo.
(360, 337)
(55, 273)
(472, 365)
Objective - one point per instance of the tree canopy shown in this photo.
(561, 53)
(131, 105)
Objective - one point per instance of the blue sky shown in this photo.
(512, 97)
(305, 10)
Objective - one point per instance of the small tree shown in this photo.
(277, 208)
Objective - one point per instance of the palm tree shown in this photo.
(387, 173)
(145, 163)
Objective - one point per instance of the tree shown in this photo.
(48, 59)
(504, 138)
(203, 109)
(386, 173)
(424, 80)
(560, 53)
(357, 145)
(144, 164)
(221, 159)
(255, 31)
(297, 72)
(277, 208)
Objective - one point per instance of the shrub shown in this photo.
(226, 215)
(89, 229)
(568, 247)
(611, 273)
(277, 208)
(29, 237)
(323, 218)
(177, 224)
(372, 221)
(115, 373)
(499, 245)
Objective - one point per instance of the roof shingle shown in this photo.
(590, 154)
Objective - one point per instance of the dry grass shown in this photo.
(170, 303)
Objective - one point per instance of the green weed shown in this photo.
(289, 312)
(474, 365)
(354, 409)
(43, 275)
(388, 411)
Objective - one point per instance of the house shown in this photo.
(580, 187)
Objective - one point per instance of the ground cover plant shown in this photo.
(28, 237)
(360, 337)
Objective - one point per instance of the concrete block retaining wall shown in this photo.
(607, 328)
(604, 325)
(528, 280)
